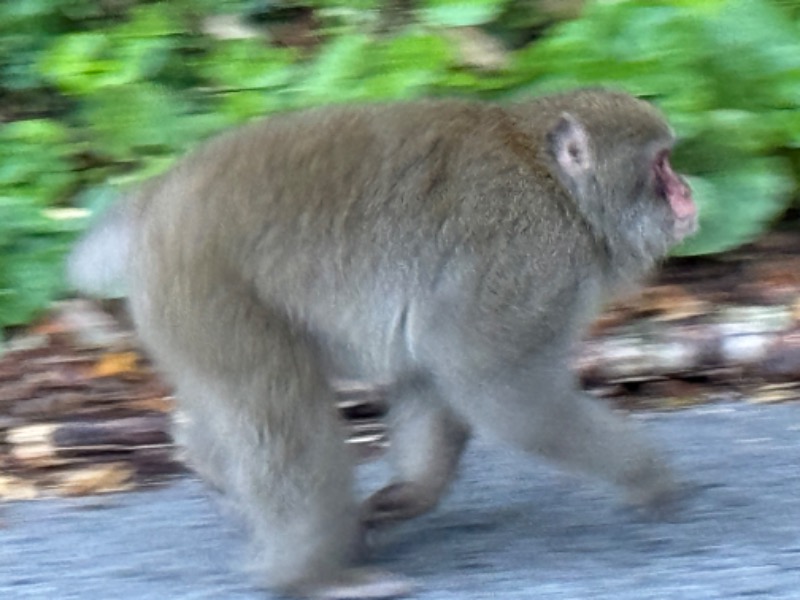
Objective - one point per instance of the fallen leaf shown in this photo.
(157, 404)
(14, 488)
(671, 303)
(116, 363)
(112, 477)
(774, 394)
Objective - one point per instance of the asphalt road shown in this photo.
(510, 529)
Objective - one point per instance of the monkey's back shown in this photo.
(376, 209)
(396, 178)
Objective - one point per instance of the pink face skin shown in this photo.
(678, 194)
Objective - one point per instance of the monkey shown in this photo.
(452, 250)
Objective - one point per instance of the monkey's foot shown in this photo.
(656, 492)
(671, 503)
(397, 502)
(358, 584)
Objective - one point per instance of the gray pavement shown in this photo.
(510, 529)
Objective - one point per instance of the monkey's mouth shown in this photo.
(684, 227)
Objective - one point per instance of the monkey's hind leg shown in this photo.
(426, 440)
(278, 452)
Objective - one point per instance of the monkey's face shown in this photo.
(644, 199)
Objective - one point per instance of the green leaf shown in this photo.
(34, 160)
(460, 13)
(32, 247)
(336, 74)
(247, 64)
(76, 63)
(239, 106)
(755, 55)
(418, 52)
(126, 120)
(151, 20)
(84, 62)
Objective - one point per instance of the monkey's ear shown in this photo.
(569, 145)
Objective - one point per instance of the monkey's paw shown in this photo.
(656, 493)
(671, 504)
(396, 502)
(358, 584)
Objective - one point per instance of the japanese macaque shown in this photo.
(452, 251)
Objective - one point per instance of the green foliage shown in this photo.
(34, 160)
(460, 13)
(32, 246)
(355, 68)
(33, 167)
(97, 92)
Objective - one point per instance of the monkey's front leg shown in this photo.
(542, 411)
(426, 442)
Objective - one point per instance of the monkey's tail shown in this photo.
(99, 261)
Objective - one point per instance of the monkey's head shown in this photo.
(611, 152)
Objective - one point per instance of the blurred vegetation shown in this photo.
(97, 94)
